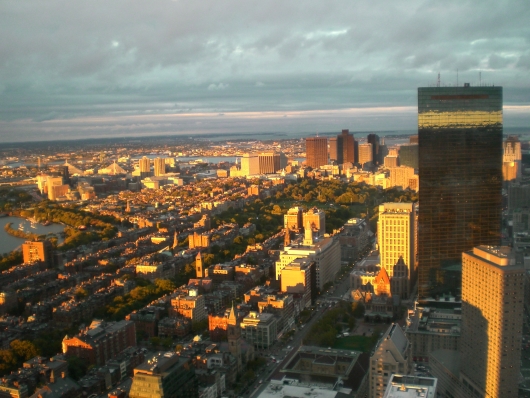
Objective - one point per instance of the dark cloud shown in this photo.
(74, 61)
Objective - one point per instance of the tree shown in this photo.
(23, 349)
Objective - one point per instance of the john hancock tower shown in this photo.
(460, 178)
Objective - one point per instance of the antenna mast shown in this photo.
(480, 78)
(438, 81)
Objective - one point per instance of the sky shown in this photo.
(86, 69)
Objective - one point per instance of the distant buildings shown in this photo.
(145, 167)
(366, 154)
(316, 151)
(159, 166)
(342, 148)
(460, 174)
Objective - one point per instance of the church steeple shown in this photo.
(200, 272)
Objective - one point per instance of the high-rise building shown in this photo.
(492, 320)
(511, 159)
(395, 230)
(38, 251)
(460, 175)
(408, 155)
(145, 167)
(366, 154)
(376, 149)
(165, 375)
(159, 166)
(299, 279)
(55, 187)
(316, 149)
(342, 148)
(271, 162)
(250, 164)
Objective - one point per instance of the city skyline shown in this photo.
(71, 71)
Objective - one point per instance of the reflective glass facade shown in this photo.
(460, 173)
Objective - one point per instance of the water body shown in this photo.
(9, 243)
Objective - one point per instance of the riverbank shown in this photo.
(19, 234)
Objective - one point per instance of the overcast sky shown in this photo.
(76, 69)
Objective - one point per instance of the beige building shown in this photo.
(511, 160)
(324, 252)
(403, 177)
(492, 321)
(316, 218)
(55, 187)
(396, 236)
(391, 355)
(365, 154)
(159, 166)
(249, 164)
(144, 165)
(41, 250)
(296, 279)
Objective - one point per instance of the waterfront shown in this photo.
(9, 243)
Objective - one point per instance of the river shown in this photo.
(9, 243)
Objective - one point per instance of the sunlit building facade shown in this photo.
(316, 151)
(460, 174)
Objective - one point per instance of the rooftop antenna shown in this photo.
(438, 81)
(480, 78)
(457, 78)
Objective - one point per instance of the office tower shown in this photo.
(492, 321)
(316, 149)
(165, 375)
(271, 162)
(511, 159)
(145, 167)
(408, 155)
(63, 172)
(395, 230)
(403, 177)
(159, 166)
(41, 250)
(376, 150)
(391, 355)
(460, 175)
(342, 148)
(250, 164)
(56, 187)
(365, 154)
(334, 153)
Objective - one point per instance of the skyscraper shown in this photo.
(159, 166)
(145, 167)
(316, 149)
(460, 175)
(342, 148)
(365, 154)
(492, 321)
(376, 153)
(396, 233)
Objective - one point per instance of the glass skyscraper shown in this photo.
(460, 179)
